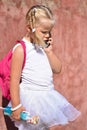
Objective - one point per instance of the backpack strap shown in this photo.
(24, 48)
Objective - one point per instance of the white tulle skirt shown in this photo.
(51, 107)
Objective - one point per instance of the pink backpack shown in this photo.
(5, 71)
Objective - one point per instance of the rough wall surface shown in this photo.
(70, 44)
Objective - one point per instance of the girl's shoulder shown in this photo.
(18, 48)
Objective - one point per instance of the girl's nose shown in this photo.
(48, 35)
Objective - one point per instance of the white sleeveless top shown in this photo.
(37, 73)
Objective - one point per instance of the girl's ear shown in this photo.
(28, 28)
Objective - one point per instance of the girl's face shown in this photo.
(44, 28)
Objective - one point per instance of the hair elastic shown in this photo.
(15, 108)
(33, 30)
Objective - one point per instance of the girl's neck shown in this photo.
(27, 38)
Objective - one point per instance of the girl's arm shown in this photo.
(16, 69)
(53, 59)
(54, 62)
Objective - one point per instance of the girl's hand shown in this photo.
(49, 48)
(16, 113)
(54, 61)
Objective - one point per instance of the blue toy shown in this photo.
(24, 115)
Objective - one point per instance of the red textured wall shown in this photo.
(70, 44)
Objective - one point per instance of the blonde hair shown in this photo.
(33, 16)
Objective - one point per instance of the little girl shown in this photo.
(36, 93)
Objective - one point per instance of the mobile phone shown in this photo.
(46, 41)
